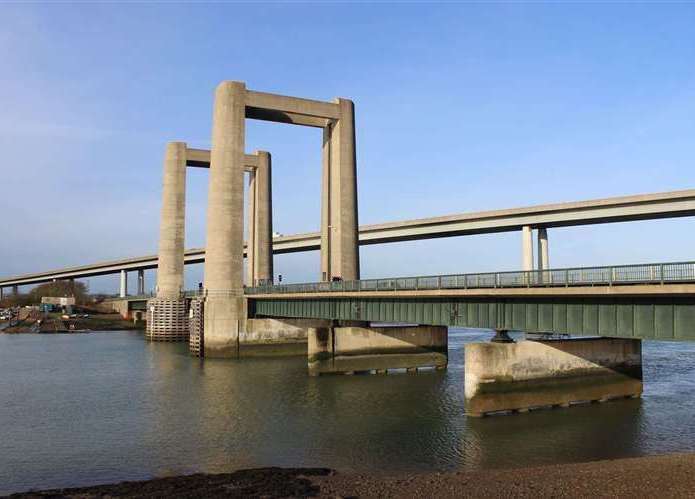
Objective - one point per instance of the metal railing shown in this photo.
(650, 273)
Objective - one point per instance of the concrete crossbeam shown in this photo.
(292, 105)
(200, 158)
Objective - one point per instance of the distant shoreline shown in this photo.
(650, 476)
(55, 325)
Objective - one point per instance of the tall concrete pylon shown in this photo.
(172, 230)
(169, 301)
(224, 308)
(167, 313)
(339, 230)
(259, 240)
(224, 300)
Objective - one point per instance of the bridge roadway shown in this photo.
(617, 209)
(651, 301)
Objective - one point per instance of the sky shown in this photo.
(459, 107)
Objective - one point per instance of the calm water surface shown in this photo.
(105, 407)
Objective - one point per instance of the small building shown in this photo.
(61, 301)
(53, 303)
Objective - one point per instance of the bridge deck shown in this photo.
(596, 211)
(653, 301)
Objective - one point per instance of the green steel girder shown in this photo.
(656, 317)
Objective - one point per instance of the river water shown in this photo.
(104, 407)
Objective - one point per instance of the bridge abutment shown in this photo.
(349, 349)
(531, 374)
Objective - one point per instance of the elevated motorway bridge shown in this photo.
(599, 211)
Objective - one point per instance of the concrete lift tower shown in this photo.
(224, 310)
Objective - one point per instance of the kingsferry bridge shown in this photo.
(649, 301)
(338, 323)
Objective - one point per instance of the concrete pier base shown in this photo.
(359, 349)
(167, 320)
(531, 374)
(277, 337)
(260, 338)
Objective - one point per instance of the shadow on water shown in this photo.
(110, 407)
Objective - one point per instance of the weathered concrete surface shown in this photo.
(224, 305)
(251, 230)
(339, 220)
(263, 258)
(122, 307)
(172, 223)
(276, 337)
(166, 314)
(259, 242)
(349, 349)
(527, 374)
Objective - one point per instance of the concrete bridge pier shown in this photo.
(526, 248)
(15, 290)
(348, 349)
(141, 282)
(543, 254)
(124, 284)
(525, 375)
(2, 293)
(167, 313)
(224, 310)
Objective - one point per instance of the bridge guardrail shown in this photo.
(616, 275)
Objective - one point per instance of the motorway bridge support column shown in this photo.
(124, 284)
(526, 248)
(167, 317)
(543, 254)
(224, 309)
(15, 290)
(141, 282)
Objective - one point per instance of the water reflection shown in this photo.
(108, 407)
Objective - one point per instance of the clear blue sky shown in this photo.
(459, 107)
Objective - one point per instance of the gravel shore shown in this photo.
(654, 476)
